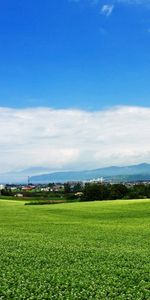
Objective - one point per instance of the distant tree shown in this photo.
(97, 191)
(67, 188)
(118, 191)
(147, 191)
(51, 185)
(6, 192)
(91, 192)
(138, 191)
(78, 187)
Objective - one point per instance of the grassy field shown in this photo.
(95, 250)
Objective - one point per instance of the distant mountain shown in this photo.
(21, 176)
(141, 171)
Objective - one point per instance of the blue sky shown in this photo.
(74, 84)
(74, 54)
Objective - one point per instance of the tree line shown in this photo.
(89, 192)
(96, 191)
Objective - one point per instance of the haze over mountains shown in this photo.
(133, 172)
(45, 175)
(21, 176)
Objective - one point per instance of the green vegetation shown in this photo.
(91, 250)
(96, 191)
(78, 192)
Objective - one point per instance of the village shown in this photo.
(53, 190)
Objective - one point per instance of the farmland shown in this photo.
(91, 250)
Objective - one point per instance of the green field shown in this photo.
(92, 250)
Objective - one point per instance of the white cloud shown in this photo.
(73, 139)
(107, 9)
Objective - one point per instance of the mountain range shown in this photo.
(114, 173)
(21, 176)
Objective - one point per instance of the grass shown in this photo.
(92, 250)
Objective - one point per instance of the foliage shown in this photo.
(97, 191)
(67, 188)
(78, 187)
(91, 250)
(92, 192)
(6, 192)
(71, 196)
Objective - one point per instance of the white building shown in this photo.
(2, 187)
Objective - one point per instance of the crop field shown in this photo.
(92, 250)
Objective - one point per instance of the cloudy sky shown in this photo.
(74, 83)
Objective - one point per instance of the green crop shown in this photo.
(92, 250)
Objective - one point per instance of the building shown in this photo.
(2, 186)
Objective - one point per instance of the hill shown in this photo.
(125, 173)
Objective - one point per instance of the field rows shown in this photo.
(95, 250)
